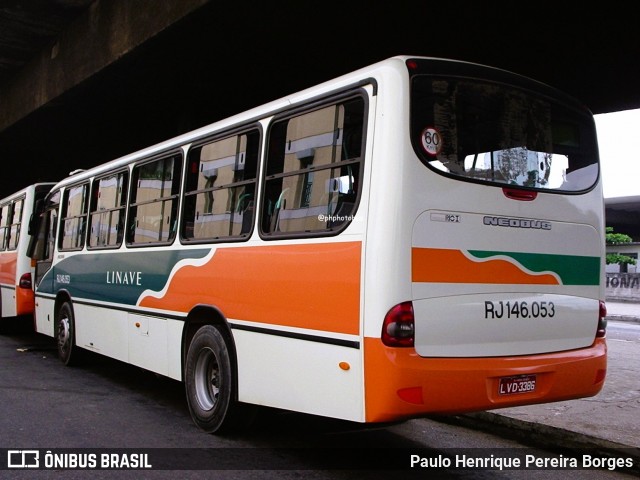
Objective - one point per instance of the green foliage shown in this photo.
(613, 258)
(618, 239)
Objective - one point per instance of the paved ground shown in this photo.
(624, 311)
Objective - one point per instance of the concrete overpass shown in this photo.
(84, 81)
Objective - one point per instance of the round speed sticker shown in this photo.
(431, 141)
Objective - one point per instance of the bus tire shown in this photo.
(66, 334)
(209, 382)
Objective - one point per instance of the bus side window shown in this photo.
(313, 170)
(16, 224)
(4, 218)
(220, 188)
(107, 211)
(153, 209)
(74, 217)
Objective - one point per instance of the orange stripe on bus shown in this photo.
(439, 265)
(313, 286)
(8, 266)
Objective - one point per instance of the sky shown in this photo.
(619, 144)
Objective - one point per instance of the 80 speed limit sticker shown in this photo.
(431, 141)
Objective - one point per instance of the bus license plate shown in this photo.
(518, 384)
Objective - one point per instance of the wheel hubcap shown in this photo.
(64, 334)
(207, 379)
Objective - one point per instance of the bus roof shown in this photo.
(22, 191)
(365, 75)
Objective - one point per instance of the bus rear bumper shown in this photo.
(401, 384)
(24, 301)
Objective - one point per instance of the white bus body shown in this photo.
(16, 268)
(418, 236)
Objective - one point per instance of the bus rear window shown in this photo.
(494, 133)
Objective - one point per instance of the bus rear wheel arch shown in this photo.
(210, 383)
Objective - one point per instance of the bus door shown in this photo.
(42, 250)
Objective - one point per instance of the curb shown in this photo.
(623, 318)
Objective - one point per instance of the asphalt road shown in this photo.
(104, 405)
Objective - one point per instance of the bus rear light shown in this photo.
(602, 321)
(521, 195)
(412, 65)
(411, 395)
(398, 328)
(25, 281)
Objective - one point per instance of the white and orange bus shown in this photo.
(418, 236)
(16, 282)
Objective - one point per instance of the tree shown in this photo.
(618, 258)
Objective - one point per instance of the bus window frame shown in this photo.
(63, 212)
(123, 207)
(524, 84)
(42, 250)
(216, 137)
(175, 153)
(2, 227)
(12, 244)
(336, 98)
(6, 227)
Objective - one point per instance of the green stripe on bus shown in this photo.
(572, 269)
(118, 277)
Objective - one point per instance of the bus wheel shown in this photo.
(208, 380)
(66, 333)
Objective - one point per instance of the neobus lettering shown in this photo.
(517, 223)
(124, 278)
